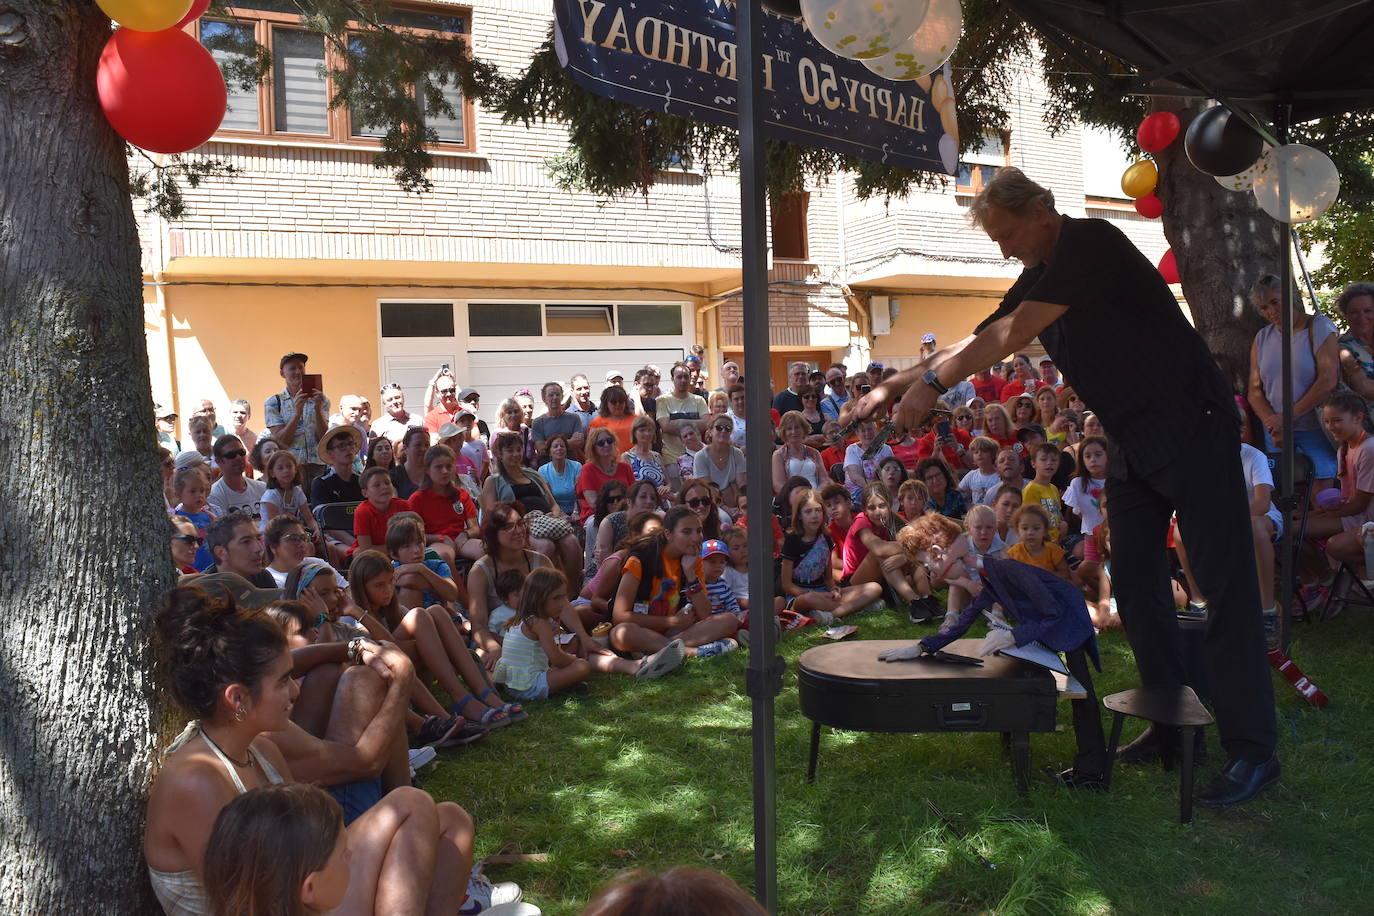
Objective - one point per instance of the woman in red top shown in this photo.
(871, 554)
(448, 511)
(997, 425)
(602, 464)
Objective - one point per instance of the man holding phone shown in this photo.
(953, 444)
(297, 416)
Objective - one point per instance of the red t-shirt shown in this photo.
(1018, 387)
(437, 417)
(831, 456)
(855, 550)
(991, 390)
(593, 478)
(908, 455)
(925, 446)
(838, 534)
(368, 521)
(444, 516)
(743, 522)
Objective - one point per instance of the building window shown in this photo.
(978, 166)
(293, 102)
(649, 320)
(417, 319)
(787, 219)
(505, 319)
(578, 319)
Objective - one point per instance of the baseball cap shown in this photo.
(245, 593)
(1030, 429)
(467, 393)
(301, 357)
(614, 374)
(872, 366)
(927, 337)
(713, 546)
(692, 358)
(1046, 359)
(163, 413)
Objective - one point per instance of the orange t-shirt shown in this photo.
(619, 427)
(1050, 557)
(665, 594)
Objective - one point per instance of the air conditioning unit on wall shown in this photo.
(879, 308)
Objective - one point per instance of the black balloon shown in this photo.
(1219, 142)
(789, 8)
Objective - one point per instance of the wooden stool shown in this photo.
(1165, 706)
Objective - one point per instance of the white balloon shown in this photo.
(1306, 175)
(1243, 181)
(925, 49)
(862, 29)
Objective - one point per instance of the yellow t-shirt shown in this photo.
(1047, 497)
(1050, 557)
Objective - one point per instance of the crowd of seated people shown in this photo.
(344, 576)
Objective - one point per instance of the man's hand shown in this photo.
(915, 406)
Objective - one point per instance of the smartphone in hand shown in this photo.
(312, 383)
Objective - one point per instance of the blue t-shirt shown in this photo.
(202, 520)
(564, 486)
(428, 597)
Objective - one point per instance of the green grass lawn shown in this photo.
(659, 774)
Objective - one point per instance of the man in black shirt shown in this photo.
(790, 397)
(1109, 321)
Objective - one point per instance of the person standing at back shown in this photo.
(297, 417)
(1108, 319)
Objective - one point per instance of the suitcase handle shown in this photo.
(961, 715)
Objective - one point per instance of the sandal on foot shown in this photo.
(662, 661)
(514, 711)
(491, 718)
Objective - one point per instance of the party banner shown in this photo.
(680, 58)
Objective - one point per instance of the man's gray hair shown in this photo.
(1012, 191)
(241, 402)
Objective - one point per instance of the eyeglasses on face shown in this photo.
(723, 429)
(193, 540)
(390, 386)
(297, 538)
(230, 456)
(518, 525)
(339, 443)
(447, 392)
(601, 443)
(696, 502)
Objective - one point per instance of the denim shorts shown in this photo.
(356, 797)
(1314, 444)
(539, 691)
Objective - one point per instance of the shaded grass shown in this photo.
(659, 774)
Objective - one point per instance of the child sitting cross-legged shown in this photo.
(978, 540)
(807, 576)
(420, 581)
(533, 666)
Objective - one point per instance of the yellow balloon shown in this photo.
(1139, 179)
(146, 15)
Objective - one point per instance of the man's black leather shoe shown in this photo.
(1239, 781)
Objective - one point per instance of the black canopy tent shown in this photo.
(1278, 62)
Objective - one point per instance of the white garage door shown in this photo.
(499, 373)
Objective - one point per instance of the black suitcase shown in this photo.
(845, 686)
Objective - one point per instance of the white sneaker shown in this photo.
(662, 661)
(519, 908)
(421, 756)
(483, 895)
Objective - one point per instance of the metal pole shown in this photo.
(1286, 388)
(764, 676)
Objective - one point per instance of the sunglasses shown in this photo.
(865, 389)
(391, 386)
(230, 456)
(447, 392)
(297, 538)
(696, 502)
(191, 539)
(723, 429)
(603, 442)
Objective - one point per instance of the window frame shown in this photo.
(976, 185)
(339, 118)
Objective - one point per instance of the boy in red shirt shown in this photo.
(380, 503)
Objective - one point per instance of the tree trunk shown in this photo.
(1222, 241)
(83, 535)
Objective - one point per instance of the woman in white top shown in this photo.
(231, 669)
(794, 458)
(720, 462)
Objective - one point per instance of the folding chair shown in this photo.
(336, 516)
(1346, 588)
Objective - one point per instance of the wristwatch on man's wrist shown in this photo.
(933, 380)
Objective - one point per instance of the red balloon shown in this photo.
(1149, 206)
(1168, 267)
(198, 8)
(1157, 131)
(161, 91)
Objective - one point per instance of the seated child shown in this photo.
(1042, 492)
(420, 581)
(839, 515)
(982, 482)
(1032, 522)
(533, 666)
(509, 584)
(979, 540)
(912, 497)
(737, 572)
(1004, 506)
(806, 575)
(715, 558)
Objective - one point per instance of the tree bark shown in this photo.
(1222, 242)
(83, 534)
